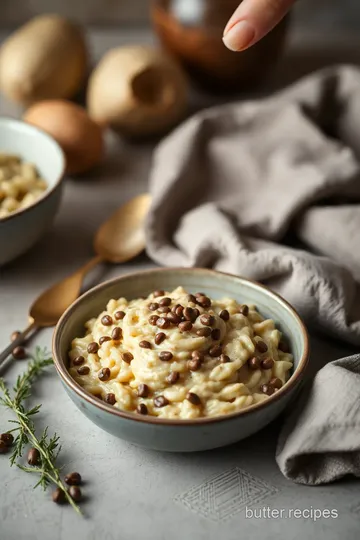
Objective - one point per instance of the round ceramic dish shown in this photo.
(181, 435)
(22, 229)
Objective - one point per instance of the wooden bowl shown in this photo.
(192, 31)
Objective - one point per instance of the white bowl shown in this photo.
(181, 435)
(22, 229)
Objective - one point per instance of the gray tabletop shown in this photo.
(132, 493)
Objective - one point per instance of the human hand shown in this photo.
(252, 20)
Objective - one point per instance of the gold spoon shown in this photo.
(119, 239)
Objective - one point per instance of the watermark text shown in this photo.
(291, 513)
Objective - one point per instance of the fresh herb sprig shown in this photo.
(48, 447)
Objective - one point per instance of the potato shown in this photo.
(80, 137)
(44, 59)
(138, 91)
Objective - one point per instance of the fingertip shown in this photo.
(239, 36)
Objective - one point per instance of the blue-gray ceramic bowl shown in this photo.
(181, 435)
(22, 229)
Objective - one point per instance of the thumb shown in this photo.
(252, 20)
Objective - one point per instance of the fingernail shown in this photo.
(239, 36)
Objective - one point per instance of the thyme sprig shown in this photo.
(47, 446)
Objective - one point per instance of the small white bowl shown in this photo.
(22, 229)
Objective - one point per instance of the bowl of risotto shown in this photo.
(31, 171)
(181, 359)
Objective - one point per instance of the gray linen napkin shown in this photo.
(236, 186)
(320, 441)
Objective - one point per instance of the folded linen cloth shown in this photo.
(320, 441)
(270, 190)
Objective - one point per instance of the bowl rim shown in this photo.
(70, 382)
(9, 121)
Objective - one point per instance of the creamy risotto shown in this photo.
(178, 355)
(20, 184)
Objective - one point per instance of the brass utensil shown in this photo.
(119, 239)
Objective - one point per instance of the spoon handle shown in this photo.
(90, 265)
(18, 341)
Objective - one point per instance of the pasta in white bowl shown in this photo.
(20, 184)
(32, 166)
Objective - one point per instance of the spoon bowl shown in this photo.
(122, 236)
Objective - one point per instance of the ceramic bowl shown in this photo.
(181, 435)
(22, 229)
